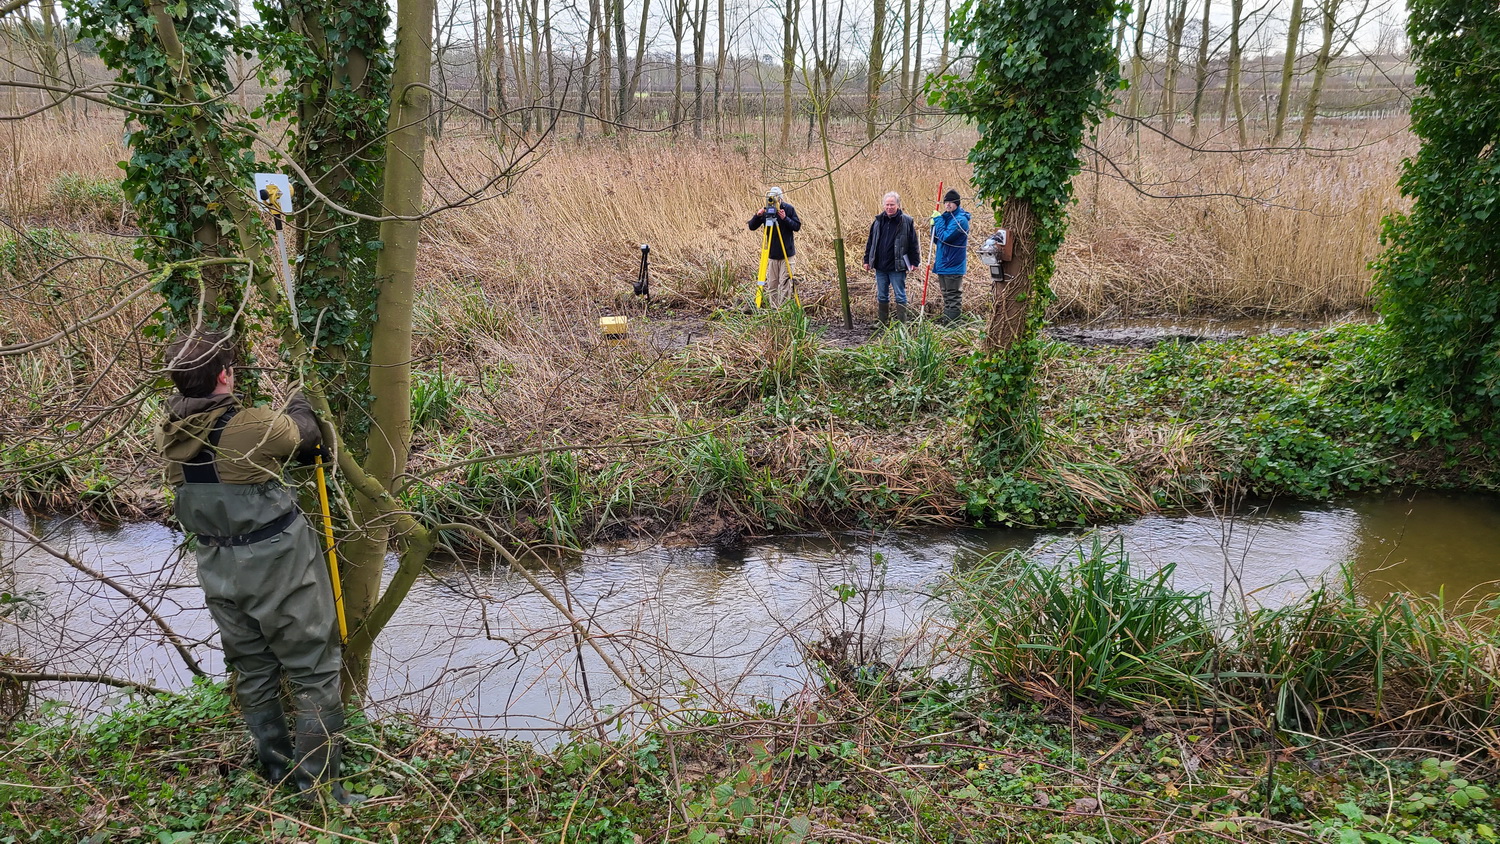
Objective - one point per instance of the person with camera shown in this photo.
(782, 244)
(950, 232)
(259, 561)
(892, 251)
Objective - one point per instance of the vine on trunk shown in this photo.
(1043, 73)
(176, 197)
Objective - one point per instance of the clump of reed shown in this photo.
(1094, 629)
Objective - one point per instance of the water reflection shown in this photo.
(476, 648)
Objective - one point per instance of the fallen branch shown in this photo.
(70, 677)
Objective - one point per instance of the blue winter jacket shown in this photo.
(951, 231)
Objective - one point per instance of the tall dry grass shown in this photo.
(1282, 232)
(1259, 233)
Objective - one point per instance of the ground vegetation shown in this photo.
(1079, 703)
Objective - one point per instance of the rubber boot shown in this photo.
(273, 743)
(883, 317)
(901, 315)
(320, 755)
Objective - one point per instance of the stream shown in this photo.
(474, 649)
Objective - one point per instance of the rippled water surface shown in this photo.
(474, 648)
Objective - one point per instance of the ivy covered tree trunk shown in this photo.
(1043, 73)
(357, 159)
(1438, 281)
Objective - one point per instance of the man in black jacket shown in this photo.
(783, 245)
(892, 251)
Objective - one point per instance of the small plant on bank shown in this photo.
(99, 201)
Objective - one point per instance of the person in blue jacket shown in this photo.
(950, 231)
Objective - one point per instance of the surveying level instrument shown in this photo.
(997, 253)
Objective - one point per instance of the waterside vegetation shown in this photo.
(1082, 703)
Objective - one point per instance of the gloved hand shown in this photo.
(936, 215)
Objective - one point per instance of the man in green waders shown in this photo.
(259, 560)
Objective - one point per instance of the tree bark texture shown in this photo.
(1013, 297)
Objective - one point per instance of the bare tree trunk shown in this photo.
(550, 58)
(1327, 52)
(1176, 11)
(46, 48)
(903, 85)
(391, 351)
(916, 65)
(622, 63)
(875, 71)
(482, 47)
(947, 16)
(719, 75)
(1200, 72)
(700, 42)
(1288, 69)
(519, 63)
(536, 64)
(1232, 77)
(640, 55)
(497, 38)
(679, 13)
(788, 63)
(1138, 59)
(605, 95)
(437, 116)
(586, 71)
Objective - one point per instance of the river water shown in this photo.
(476, 649)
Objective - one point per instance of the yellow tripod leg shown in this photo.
(791, 269)
(333, 560)
(765, 260)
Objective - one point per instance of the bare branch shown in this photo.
(172, 637)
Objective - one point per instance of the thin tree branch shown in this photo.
(70, 677)
(166, 629)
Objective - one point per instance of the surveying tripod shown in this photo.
(765, 260)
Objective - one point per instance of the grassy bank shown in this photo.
(741, 425)
(1075, 705)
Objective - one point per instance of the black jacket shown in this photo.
(783, 234)
(900, 240)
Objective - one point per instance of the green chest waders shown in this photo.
(261, 569)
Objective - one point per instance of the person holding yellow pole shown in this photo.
(259, 561)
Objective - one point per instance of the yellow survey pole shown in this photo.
(765, 260)
(333, 560)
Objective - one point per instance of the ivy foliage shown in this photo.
(1439, 279)
(1043, 73)
(176, 125)
(335, 105)
(327, 67)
